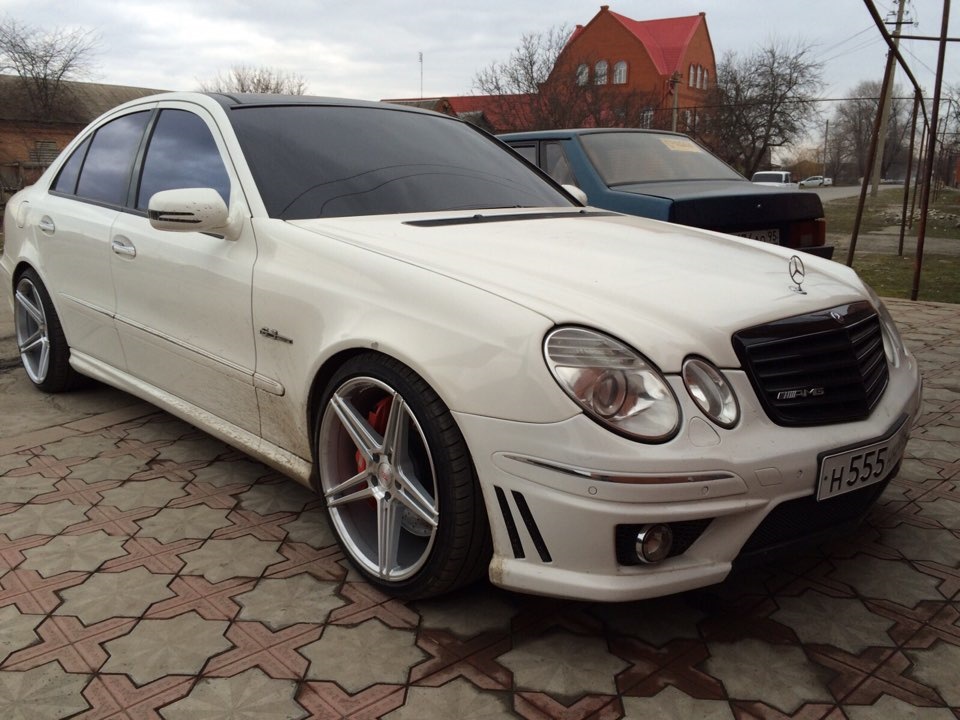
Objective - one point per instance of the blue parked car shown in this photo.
(667, 176)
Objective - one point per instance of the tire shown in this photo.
(43, 347)
(404, 501)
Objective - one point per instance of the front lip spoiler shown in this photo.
(625, 479)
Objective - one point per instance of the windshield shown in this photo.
(625, 158)
(312, 161)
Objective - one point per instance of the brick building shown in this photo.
(30, 141)
(650, 59)
(613, 71)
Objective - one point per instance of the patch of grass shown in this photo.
(943, 217)
(892, 276)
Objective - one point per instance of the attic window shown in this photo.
(583, 74)
(620, 73)
(600, 73)
(706, 75)
(693, 76)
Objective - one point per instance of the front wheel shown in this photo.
(399, 485)
(43, 347)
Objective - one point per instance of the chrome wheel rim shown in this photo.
(33, 337)
(380, 485)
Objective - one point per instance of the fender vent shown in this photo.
(532, 528)
(528, 521)
(510, 524)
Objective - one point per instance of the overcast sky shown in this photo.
(369, 48)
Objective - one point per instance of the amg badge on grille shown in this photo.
(801, 393)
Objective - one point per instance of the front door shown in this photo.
(183, 299)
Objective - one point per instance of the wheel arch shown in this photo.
(320, 380)
(329, 367)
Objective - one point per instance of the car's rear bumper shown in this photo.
(824, 251)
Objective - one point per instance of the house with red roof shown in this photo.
(614, 71)
(669, 61)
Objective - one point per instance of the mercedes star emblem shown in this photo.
(797, 274)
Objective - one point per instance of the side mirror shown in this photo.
(578, 194)
(190, 210)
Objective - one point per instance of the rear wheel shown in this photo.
(400, 489)
(43, 347)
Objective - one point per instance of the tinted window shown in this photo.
(66, 181)
(182, 154)
(312, 161)
(556, 164)
(106, 171)
(529, 152)
(624, 158)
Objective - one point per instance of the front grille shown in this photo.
(815, 369)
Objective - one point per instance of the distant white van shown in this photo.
(777, 178)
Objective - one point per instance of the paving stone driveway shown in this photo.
(149, 571)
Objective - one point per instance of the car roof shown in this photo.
(571, 132)
(230, 101)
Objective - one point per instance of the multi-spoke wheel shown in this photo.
(398, 482)
(43, 347)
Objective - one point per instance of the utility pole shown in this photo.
(826, 146)
(675, 83)
(888, 78)
(421, 76)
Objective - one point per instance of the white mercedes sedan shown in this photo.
(476, 373)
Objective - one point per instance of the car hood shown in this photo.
(667, 290)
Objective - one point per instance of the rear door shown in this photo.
(84, 201)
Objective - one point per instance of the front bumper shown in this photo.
(556, 493)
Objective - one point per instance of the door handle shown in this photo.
(123, 246)
(46, 225)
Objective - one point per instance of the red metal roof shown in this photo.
(499, 110)
(665, 39)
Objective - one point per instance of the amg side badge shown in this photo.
(275, 335)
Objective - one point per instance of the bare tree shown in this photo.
(762, 101)
(260, 79)
(854, 120)
(515, 83)
(44, 59)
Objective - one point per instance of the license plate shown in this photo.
(850, 470)
(767, 236)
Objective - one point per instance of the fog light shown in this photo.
(654, 543)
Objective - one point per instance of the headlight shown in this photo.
(893, 345)
(711, 392)
(615, 385)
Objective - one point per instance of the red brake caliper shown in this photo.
(378, 421)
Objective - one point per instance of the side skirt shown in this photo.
(275, 456)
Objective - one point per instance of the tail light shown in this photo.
(807, 233)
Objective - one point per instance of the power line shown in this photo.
(871, 42)
(846, 40)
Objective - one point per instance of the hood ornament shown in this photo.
(797, 274)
